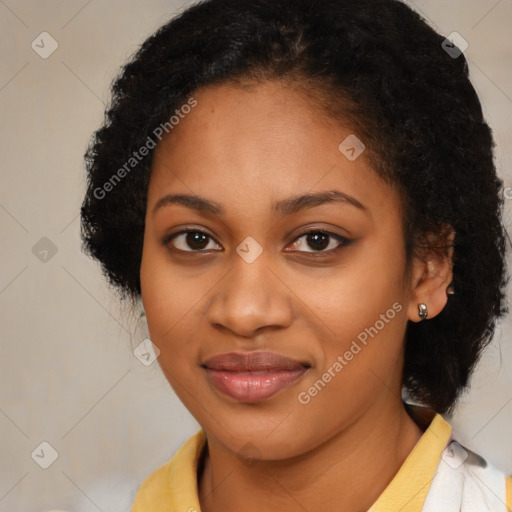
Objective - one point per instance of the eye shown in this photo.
(198, 241)
(195, 239)
(319, 240)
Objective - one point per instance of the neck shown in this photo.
(348, 472)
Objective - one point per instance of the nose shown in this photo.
(249, 298)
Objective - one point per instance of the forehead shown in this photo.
(243, 122)
(245, 144)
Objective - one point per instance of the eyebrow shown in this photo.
(283, 207)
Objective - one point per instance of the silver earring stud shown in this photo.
(422, 311)
(450, 290)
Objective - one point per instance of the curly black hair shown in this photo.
(382, 67)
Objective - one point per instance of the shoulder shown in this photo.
(154, 491)
(466, 482)
(173, 486)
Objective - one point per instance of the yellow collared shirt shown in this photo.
(439, 475)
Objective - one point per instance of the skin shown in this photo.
(244, 148)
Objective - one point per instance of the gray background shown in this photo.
(69, 376)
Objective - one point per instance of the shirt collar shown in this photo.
(406, 492)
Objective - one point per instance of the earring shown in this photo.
(422, 311)
(450, 290)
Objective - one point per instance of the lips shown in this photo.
(253, 376)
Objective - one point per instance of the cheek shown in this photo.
(361, 337)
(361, 317)
(354, 297)
(174, 303)
(167, 295)
(169, 306)
(360, 362)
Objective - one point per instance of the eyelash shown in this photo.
(343, 242)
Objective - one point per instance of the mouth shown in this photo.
(253, 376)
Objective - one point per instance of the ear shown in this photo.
(432, 273)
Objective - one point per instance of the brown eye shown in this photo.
(189, 241)
(196, 240)
(318, 241)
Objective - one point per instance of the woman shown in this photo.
(303, 195)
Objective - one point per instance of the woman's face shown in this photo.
(273, 338)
